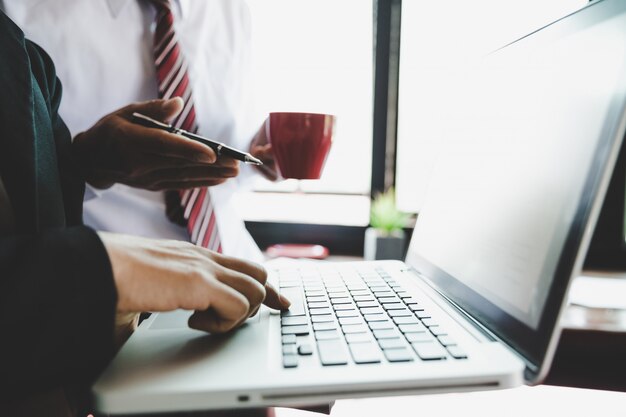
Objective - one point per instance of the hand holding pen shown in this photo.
(219, 148)
(117, 150)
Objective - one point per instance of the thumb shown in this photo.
(162, 110)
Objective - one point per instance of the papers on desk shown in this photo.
(599, 291)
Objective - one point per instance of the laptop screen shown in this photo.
(528, 136)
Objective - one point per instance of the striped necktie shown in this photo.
(173, 81)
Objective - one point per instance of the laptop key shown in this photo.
(344, 307)
(364, 298)
(428, 322)
(305, 349)
(327, 335)
(394, 306)
(380, 325)
(391, 343)
(294, 321)
(295, 330)
(365, 353)
(457, 352)
(358, 337)
(398, 355)
(419, 337)
(322, 318)
(350, 320)
(289, 339)
(412, 328)
(319, 311)
(445, 340)
(341, 300)
(363, 304)
(389, 300)
(386, 334)
(332, 352)
(290, 361)
(289, 349)
(347, 313)
(319, 304)
(437, 331)
(406, 320)
(421, 314)
(329, 325)
(387, 293)
(376, 317)
(429, 351)
(354, 328)
(372, 310)
(399, 313)
(415, 307)
(297, 302)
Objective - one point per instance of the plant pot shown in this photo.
(382, 245)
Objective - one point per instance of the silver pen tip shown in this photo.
(252, 160)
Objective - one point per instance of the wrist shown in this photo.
(84, 156)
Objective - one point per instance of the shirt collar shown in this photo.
(116, 6)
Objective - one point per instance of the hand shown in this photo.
(117, 150)
(165, 275)
(261, 148)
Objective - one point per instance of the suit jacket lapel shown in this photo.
(17, 141)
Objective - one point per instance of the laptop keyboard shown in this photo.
(359, 316)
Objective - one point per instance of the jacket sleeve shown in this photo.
(72, 179)
(57, 294)
(57, 309)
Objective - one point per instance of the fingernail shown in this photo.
(284, 300)
(205, 158)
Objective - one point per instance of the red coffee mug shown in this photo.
(301, 142)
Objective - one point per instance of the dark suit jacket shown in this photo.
(57, 295)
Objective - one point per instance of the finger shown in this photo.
(190, 173)
(181, 185)
(151, 162)
(269, 171)
(244, 284)
(275, 300)
(227, 308)
(251, 269)
(226, 161)
(162, 110)
(159, 142)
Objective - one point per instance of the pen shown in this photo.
(219, 148)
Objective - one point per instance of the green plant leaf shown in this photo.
(385, 215)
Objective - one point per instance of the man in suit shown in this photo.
(62, 283)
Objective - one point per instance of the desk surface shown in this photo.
(523, 402)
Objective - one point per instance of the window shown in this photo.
(317, 56)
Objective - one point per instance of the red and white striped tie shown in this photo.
(173, 81)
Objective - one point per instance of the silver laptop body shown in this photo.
(533, 133)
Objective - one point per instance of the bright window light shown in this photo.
(437, 36)
(317, 56)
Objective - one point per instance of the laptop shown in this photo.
(531, 138)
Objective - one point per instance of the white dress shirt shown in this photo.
(102, 50)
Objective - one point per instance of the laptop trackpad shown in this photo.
(178, 319)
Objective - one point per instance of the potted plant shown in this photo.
(385, 238)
